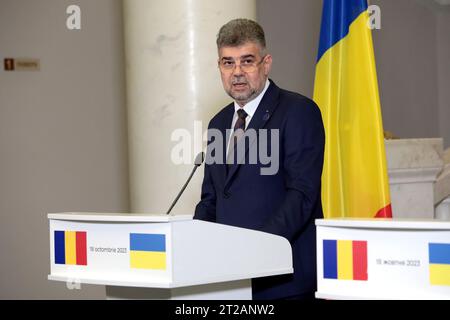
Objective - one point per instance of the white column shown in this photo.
(172, 81)
(413, 167)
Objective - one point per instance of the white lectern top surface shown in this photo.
(383, 259)
(382, 223)
(118, 217)
(159, 251)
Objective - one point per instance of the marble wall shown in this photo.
(419, 177)
(173, 90)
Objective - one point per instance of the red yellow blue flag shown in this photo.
(345, 260)
(70, 247)
(354, 179)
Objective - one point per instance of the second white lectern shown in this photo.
(162, 257)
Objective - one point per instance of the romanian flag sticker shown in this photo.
(439, 257)
(148, 251)
(345, 260)
(70, 248)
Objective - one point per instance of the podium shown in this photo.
(144, 256)
(383, 259)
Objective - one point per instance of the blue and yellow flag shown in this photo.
(354, 180)
(148, 251)
(439, 258)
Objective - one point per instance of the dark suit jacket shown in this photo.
(285, 203)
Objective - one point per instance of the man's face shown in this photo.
(246, 80)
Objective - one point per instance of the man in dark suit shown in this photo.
(236, 190)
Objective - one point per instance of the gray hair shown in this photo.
(240, 31)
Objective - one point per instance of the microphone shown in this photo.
(197, 163)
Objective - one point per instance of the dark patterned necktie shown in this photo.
(238, 132)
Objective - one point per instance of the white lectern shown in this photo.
(144, 256)
(383, 259)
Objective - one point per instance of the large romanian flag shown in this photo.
(354, 180)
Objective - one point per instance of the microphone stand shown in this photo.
(198, 162)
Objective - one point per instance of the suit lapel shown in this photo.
(224, 126)
(262, 115)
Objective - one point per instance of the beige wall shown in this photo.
(62, 130)
(292, 30)
(62, 133)
(443, 41)
(406, 49)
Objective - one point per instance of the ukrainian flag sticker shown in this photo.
(148, 251)
(439, 263)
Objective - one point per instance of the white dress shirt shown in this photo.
(250, 108)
